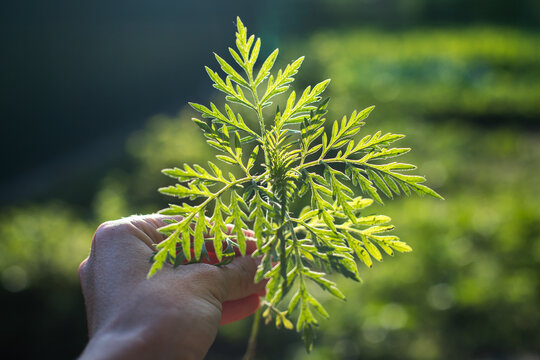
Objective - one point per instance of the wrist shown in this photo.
(137, 341)
(142, 343)
(117, 344)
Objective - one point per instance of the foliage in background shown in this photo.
(478, 73)
(40, 241)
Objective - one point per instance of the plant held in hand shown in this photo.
(330, 235)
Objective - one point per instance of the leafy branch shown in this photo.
(341, 173)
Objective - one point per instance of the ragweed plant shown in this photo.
(299, 158)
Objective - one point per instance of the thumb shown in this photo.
(239, 276)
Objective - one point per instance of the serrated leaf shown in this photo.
(309, 214)
(254, 54)
(253, 157)
(386, 248)
(218, 227)
(198, 236)
(228, 69)
(325, 284)
(266, 67)
(373, 220)
(400, 246)
(262, 271)
(378, 181)
(279, 84)
(186, 243)
(422, 189)
(346, 266)
(227, 159)
(365, 184)
(372, 249)
(287, 324)
(317, 306)
(237, 218)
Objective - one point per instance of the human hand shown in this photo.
(174, 315)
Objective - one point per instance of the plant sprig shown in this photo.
(299, 157)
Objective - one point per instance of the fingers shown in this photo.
(212, 258)
(124, 246)
(149, 224)
(114, 243)
(251, 246)
(147, 228)
(238, 278)
(248, 233)
(238, 309)
(251, 242)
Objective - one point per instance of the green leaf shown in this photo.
(227, 159)
(391, 172)
(295, 299)
(193, 190)
(317, 306)
(228, 69)
(157, 265)
(309, 214)
(400, 246)
(236, 57)
(330, 234)
(237, 218)
(218, 228)
(372, 249)
(312, 127)
(198, 237)
(186, 243)
(371, 141)
(325, 284)
(422, 189)
(253, 157)
(342, 132)
(344, 265)
(231, 120)
(283, 79)
(178, 210)
(361, 253)
(263, 271)
(341, 193)
(305, 318)
(308, 335)
(266, 67)
(366, 185)
(386, 248)
(373, 220)
(195, 173)
(303, 106)
(379, 182)
(258, 215)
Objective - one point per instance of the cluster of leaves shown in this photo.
(331, 234)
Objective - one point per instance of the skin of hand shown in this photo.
(173, 315)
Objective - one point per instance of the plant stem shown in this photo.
(252, 342)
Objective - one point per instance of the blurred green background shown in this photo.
(93, 106)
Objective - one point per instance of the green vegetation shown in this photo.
(484, 73)
(39, 242)
(471, 289)
(297, 249)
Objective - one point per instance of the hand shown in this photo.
(175, 314)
